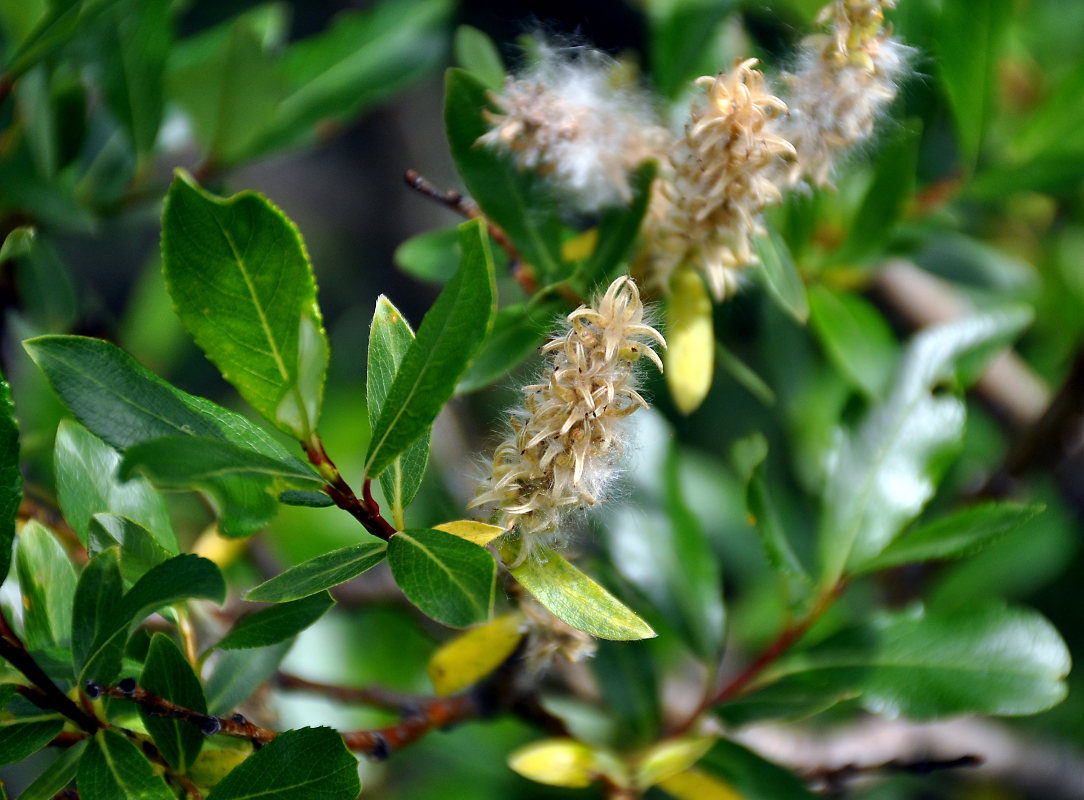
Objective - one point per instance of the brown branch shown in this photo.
(832, 779)
(44, 693)
(370, 696)
(367, 513)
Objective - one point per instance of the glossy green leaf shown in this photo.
(618, 228)
(17, 243)
(243, 286)
(62, 23)
(390, 336)
(855, 337)
(24, 734)
(508, 196)
(320, 573)
(954, 536)
(303, 763)
(477, 54)
(57, 775)
(112, 768)
(47, 582)
(293, 497)
(238, 673)
(448, 337)
(751, 775)
(781, 276)
(87, 484)
(167, 673)
(276, 623)
(884, 471)
(574, 598)
(11, 477)
(137, 43)
(97, 599)
(971, 39)
(990, 660)
(182, 577)
(518, 331)
(450, 579)
(139, 550)
(430, 256)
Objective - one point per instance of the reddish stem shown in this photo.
(367, 513)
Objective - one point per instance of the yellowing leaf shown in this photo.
(472, 655)
(670, 757)
(581, 247)
(696, 785)
(690, 337)
(479, 533)
(557, 762)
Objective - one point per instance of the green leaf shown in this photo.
(450, 579)
(20, 736)
(574, 598)
(87, 484)
(139, 550)
(627, 677)
(681, 34)
(320, 573)
(766, 522)
(293, 497)
(167, 673)
(855, 337)
(508, 196)
(781, 276)
(970, 46)
(430, 256)
(751, 775)
(991, 660)
(11, 478)
(17, 243)
(884, 472)
(64, 22)
(954, 536)
(243, 286)
(304, 763)
(448, 337)
(137, 42)
(57, 775)
(126, 404)
(517, 333)
(47, 581)
(112, 768)
(744, 375)
(181, 577)
(97, 598)
(390, 336)
(238, 673)
(477, 54)
(277, 623)
(782, 702)
(618, 228)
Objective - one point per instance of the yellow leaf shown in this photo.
(478, 532)
(217, 548)
(696, 785)
(581, 247)
(472, 655)
(213, 765)
(670, 757)
(556, 762)
(690, 355)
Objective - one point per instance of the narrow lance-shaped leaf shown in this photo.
(450, 579)
(138, 549)
(276, 623)
(47, 582)
(167, 673)
(25, 729)
(855, 337)
(242, 284)
(97, 599)
(11, 478)
(781, 276)
(390, 337)
(448, 337)
(57, 775)
(320, 573)
(112, 768)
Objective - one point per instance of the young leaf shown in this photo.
(884, 472)
(139, 551)
(517, 333)
(243, 286)
(238, 673)
(47, 582)
(781, 276)
(309, 762)
(320, 573)
(477, 54)
(448, 337)
(507, 195)
(11, 478)
(450, 579)
(766, 522)
(97, 599)
(167, 673)
(989, 660)
(17, 243)
(276, 623)
(855, 337)
(473, 654)
(390, 337)
(954, 536)
(576, 599)
(430, 256)
(112, 768)
(57, 775)
(87, 484)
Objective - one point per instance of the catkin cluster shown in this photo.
(564, 443)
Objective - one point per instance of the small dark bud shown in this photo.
(210, 726)
(93, 690)
(380, 750)
(127, 685)
(239, 719)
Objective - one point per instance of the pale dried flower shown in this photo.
(564, 444)
(568, 117)
(721, 176)
(549, 638)
(842, 82)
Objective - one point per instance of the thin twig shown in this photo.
(370, 696)
(367, 513)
